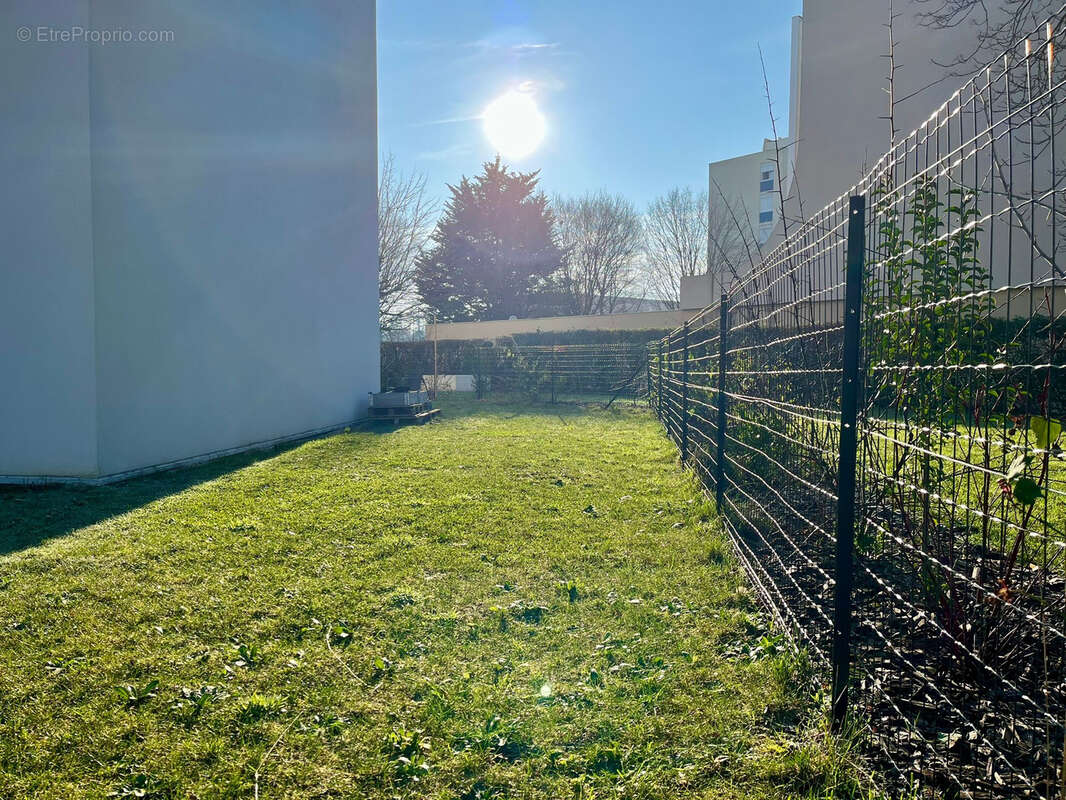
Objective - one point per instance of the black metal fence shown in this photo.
(603, 373)
(877, 407)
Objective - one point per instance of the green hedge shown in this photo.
(400, 361)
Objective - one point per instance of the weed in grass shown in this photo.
(324, 726)
(408, 753)
(340, 635)
(134, 696)
(139, 785)
(257, 707)
(190, 703)
(248, 656)
(572, 592)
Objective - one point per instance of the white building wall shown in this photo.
(47, 366)
(232, 230)
(699, 291)
(842, 82)
(736, 181)
(794, 86)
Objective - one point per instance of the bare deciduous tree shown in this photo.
(681, 229)
(778, 182)
(601, 236)
(729, 245)
(675, 230)
(405, 222)
(891, 76)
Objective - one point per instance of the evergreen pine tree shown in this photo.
(493, 253)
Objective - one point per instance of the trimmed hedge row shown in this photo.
(402, 361)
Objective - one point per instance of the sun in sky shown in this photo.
(513, 124)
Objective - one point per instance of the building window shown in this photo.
(766, 177)
(766, 210)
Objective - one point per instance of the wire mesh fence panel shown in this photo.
(957, 646)
(603, 373)
(782, 386)
(961, 627)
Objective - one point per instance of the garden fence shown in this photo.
(562, 373)
(876, 406)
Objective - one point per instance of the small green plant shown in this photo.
(191, 703)
(408, 752)
(401, 600)
(381, 667)
(257, 707)
(248, 656)
(572, 592)
(530, 613)
(918, 335)
(139, 784)
(606, 758)
(135, 696)
(1023, 484)
(324, 726)
(341, 635)
(505, 740)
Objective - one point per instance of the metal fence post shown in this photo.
(647, 376)
(660, 377)
(719, 470)
(684, 392)
(553, 374)
(850, 391)
(479, 369)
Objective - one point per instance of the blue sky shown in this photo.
(639, 95)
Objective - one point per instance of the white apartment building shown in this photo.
(838, 104)
(749, 184)
(189, 227)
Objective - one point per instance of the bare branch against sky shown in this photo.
(601, 236)
(677, 229)
(997, 26)
(405, 222)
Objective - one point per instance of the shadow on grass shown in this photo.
(30, 515)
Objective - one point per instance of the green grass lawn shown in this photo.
(508, 603)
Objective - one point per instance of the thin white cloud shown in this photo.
(444, 154)
(445, 121)
(496, 43)
(518, 48)
(512, 42)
